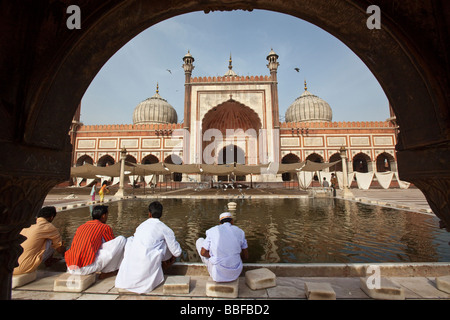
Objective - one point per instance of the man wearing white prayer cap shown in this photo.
(223, 249)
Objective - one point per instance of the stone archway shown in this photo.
(338, 166)
(130, 159)
(231, 154)
(361, 163)
(106, 160)
(231, 122)
(83, 160)
(46, 68)
(174, 159)
(385, 162)
(289, 158)
(231, 115)
(149, 159)
(314, 157)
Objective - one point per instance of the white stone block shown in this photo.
(260, 279)
(443, 283)
(222, 289)
(67, 282)
(176, 285)
(387, 290)
(23, 279)
(319, 291)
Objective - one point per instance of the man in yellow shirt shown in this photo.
(42, 240)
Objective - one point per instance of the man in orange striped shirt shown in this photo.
(94, 247)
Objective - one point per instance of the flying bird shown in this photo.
(169, 71)
(297, 69)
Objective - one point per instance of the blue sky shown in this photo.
(332, 71)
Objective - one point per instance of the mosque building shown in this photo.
(235, 119)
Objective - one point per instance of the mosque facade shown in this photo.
(235, 119)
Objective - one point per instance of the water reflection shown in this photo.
(289, 230)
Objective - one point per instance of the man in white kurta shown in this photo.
(223, 249)
(152, 245)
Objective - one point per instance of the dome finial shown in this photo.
(230, 65)
(306, 86)
(157, 87)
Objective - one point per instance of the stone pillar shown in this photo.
(121, 191)
(27, 174)
(345, 187)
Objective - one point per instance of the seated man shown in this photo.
(223, 250)
(43, 239)
(147, 253)
(94, 248)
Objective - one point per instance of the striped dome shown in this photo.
(154, 110)
(309, 108)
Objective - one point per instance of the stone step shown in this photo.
(319, 291)
(260, 279)
(23, 279)
(67, 282)
(177, 285)
(222, 289)
(443, 283)
(385, 290)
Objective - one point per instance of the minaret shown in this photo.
(188, 67)
(273, 67)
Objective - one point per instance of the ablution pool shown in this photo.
(303, 230)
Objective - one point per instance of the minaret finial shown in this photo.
(230, 66)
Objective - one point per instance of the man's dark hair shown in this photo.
(156, 209)
(47, 212)
(226, 220)
(98, 211)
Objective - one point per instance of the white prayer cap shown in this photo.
(225, 215)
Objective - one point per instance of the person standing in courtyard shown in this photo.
(43, 239)
(94, 247)
(151, 250)
(103, 191)
(223, 249)
(93, 191)
(334, 183)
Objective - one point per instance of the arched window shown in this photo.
(174, 159)
(149, 159)
(385, 162)
(314, 157)
(360, 162)
(106, 160)
(83, 160)
(289, 158)
(338, 166)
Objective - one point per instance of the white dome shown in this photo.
(154, 110)
(309, 108)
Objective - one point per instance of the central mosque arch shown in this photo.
(231, 114)
(232, 123)
(63, 63)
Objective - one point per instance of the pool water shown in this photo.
(289, 230)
